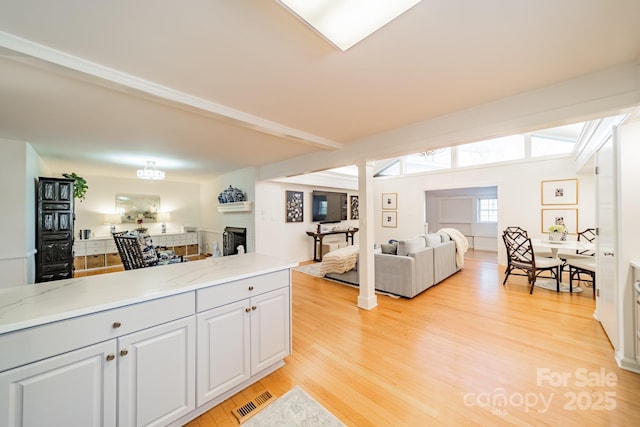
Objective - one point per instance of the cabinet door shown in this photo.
(223, 349)
(74, 389)
(156, 374)
(270, 328)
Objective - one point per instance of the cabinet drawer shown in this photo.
(192, 238)
(179, 240)
(79, 262)
(95, 261)
(113, 259)
(95, 250)
(162, 240)
(95, 244)
(225, 293)
(66, 335)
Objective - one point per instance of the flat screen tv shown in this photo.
(328, 206)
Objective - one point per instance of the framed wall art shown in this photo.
(134, 207)
(390, 219)
(295, 206)
(566, 217)
(355, 209)
(560, 192)
(390, 201)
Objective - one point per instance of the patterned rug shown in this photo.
(295, 408)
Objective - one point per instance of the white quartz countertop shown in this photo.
(32, 305)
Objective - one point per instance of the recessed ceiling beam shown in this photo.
(20, 48)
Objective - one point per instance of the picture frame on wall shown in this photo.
(390, 219)
(295, 206)
(566, 217)
(355, 208)
(560, 192)
(389, 201)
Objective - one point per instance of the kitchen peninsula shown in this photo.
(125, 348)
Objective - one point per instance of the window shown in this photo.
(487, 210)
(491, 151)
(439, 158)
(545, 146)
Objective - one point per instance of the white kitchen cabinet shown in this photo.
(223, 349)
(156, 374)
(73, 389)
(270, 328)
(123, 349)
(239, 339)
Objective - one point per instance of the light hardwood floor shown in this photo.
(447, 356)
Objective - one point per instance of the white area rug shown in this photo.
(310, 269)
(551, 285)
(294, 408)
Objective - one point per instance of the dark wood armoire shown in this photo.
(54, 229)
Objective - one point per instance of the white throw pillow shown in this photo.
(405, 247)
(433, 240)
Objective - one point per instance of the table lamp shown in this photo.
(163, 217)
(112, 219)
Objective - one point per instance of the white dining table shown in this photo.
(567, 245)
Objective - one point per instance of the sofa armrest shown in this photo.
(395, 274)
(444, 261)
(424, 269)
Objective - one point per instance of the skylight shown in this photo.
(346, 22)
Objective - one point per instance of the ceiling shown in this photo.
(211, 86)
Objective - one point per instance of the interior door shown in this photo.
(606, 212)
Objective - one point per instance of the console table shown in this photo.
(317, 239)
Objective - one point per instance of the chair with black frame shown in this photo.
(520, 256)
(583, 262)
(137, 251)
(129, 250)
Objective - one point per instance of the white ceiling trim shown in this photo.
(131, 84)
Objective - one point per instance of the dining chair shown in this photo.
(583, 262)
(521, 257)
(129, 249)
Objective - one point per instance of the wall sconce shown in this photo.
(163, 217)
(113, 219)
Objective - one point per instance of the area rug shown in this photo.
(310, 269)
(294, 408)
(350, 278)
(550, 284)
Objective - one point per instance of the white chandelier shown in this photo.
(150, 171)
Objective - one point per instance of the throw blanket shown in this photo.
(462, 244)
(339, 261)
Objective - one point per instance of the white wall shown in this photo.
(288, 240)
(519, 200)
(180, 199)
(19, 168)
(629, 236)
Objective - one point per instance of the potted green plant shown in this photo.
(80, 186)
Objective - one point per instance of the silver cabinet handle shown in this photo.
(607, 253)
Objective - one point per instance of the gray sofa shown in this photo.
(411, 266)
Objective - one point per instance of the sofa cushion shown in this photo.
(433, 239)
(405, 247)
(389, 248)
(445, 236)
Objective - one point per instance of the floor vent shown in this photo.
(249, 409)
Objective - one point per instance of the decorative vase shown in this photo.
(557, 236)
